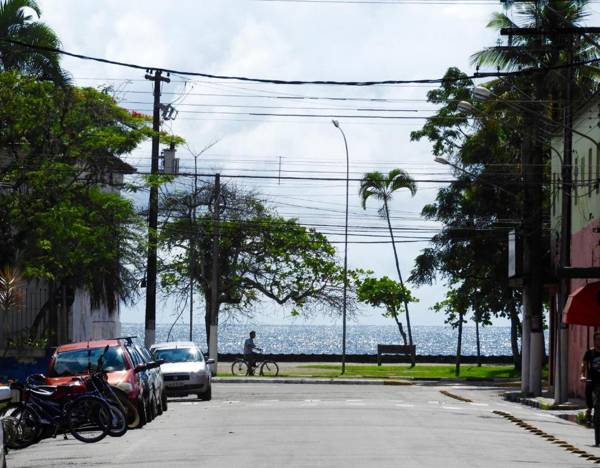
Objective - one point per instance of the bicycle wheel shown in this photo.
(239, 367)
(118, 421)
(24, 427)
(89, 419)
(269, 369)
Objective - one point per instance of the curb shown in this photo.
(535, 403)
(310, 381)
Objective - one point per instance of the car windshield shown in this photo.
(76, 362)
(178, 355)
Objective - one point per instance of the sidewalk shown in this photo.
(549, 424)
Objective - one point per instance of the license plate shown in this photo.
(177, 383)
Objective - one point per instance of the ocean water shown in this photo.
(326, 339)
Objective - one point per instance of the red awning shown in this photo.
(583, 306)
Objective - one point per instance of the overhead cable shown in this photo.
(524, 71)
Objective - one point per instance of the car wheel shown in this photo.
(164, 403)
(159, 406)
(207, 395)
(142, 413)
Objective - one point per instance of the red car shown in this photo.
(75, 359)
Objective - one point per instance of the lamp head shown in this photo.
(439, 159)
(335, 123)
(466, 107)
(481, 93)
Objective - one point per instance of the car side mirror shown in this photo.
(160, 362)
(210, 361)
(140, 368)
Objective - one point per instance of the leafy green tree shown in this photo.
(455, 307)
(260, 255)
(61, 217)
(478, 208)
(382, 187)
(385, 292)
(17, 22)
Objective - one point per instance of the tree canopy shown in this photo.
(261, 254)
(61, 218)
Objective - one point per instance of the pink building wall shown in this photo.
(585, 252)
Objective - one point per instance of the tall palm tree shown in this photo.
(382, 187)
(546, 51)
(18, 22)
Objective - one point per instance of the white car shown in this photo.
(184, 371)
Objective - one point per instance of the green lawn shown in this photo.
(419, 371)
(393, 371)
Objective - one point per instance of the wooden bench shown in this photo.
(382, 349)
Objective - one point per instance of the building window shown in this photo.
(554, 193)
(597, 181)
(575, 179)
(590, 175)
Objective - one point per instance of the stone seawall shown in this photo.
(372, 358)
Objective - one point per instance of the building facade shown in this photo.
(584, 245)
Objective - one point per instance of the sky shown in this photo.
(291, 41)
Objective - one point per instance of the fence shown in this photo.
(16, 323)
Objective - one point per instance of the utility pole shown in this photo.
(193, 245)
(151, 266)
(562, 335)
(213, 321)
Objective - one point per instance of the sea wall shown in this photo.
(372, 358)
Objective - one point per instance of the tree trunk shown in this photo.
(515, 327)
(400, 328)
(410, 340)
(478, 343)
(459, 344)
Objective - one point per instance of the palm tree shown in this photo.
(551, 50)
(18, 23)
(381, 187)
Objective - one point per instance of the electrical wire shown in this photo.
(525, 71)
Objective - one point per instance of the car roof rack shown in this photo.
(128, 339)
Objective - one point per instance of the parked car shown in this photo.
(124, 373)
(184, 369)
(2, 454)
(5, 395)
(156, 398)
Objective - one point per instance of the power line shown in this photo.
(293, 82)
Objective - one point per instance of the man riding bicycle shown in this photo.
(590, 373)
(249, 350)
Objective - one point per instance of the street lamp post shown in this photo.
(344, 307)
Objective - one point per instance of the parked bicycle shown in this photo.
(88, 408)
(266, 367)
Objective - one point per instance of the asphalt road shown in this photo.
(261, 425)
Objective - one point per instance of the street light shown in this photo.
(336, 124)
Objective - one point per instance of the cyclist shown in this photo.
(590, 373)
(249, 350)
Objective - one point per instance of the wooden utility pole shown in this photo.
(151, 265)
(213, 321)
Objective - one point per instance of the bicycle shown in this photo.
(88, 408)
(266, 367)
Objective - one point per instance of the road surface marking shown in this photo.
(405, 405)
(478, 404)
